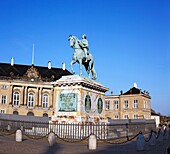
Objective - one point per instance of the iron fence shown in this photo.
(76, 131)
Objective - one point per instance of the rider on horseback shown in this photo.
(84, 45)
(80, 53)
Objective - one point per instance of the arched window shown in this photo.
(30, 114)
(45, 101)
(30, 100)
(15, 112)
(45, 115)
(16, 99)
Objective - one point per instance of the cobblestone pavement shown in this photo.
(8, 145)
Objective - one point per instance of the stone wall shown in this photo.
(12, 117)
(120, 128)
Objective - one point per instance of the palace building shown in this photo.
(27, 89)
(133, 104)
(30, 90)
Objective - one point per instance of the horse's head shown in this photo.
(72, 41)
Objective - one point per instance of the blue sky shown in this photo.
(129, 39)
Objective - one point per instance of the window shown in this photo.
(45, 115)
(30, 114)
(135, 104)
(146, 116)
(107, 105)
(126, 116)
(4, 99)
(2, 111)
(126, 104)
(148, 105)
(4, 86)
(145, 104)
(116, 116)
(16, 99)
(45, 101)
(135, 116)
(116, 105)
(30, 100)
(15, 112)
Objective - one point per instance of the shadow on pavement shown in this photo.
(53, 149)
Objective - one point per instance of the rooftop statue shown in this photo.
(82, 55)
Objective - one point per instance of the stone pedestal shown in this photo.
(51, 139)
(153, 139)
(79, 99)
(92, 142)
(18, 136)
(140, 142)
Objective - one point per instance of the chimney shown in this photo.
(121, 92)
(49, 64)
(64, 66)
(111, 92)
(135, 85)
(12, 61)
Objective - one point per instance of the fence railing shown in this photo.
(76, 131)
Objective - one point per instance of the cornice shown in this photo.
(73, 80)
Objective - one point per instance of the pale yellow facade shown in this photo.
(24, 98)
(130, 106)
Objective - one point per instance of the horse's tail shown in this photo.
(93, 71)
(94, 75)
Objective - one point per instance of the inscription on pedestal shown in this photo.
(67, 102)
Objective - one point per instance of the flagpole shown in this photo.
(33, 54)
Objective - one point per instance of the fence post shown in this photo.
(9, 127)
(92, 142)
(161, 135)
(140, 142)
(168, 150)
(18, 136)
(166, 133)
(51, 139)
(153, 139)
(22, 127)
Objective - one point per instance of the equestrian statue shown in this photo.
(82, 55)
